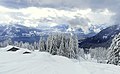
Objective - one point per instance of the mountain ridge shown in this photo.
(102, 39)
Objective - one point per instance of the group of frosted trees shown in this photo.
(56, 44)
(6, 43)
(99, 54)
(113, 54)
(61, 44)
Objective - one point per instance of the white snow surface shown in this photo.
(45, 63)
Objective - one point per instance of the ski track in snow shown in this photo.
(44, 63)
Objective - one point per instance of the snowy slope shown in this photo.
(44, 63)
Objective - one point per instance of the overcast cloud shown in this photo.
(73, 12)
(94, 4)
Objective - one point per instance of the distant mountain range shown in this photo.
(30, 34)
(102, 39)
(19, 33)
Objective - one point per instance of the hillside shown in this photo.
(44, 63)
(102, 39)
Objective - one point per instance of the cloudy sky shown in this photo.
(76, 13)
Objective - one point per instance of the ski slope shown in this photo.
(44, 63)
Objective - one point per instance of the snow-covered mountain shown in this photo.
(31, 34)
(17, 30)
(102, 39)
(19, 33)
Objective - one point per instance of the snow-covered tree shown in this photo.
(16, 43)
(81, 53)
(9, 40)
(61, 48)
(31, 47)
(113, 54)
(42, 45)
(98, 53)
(49, 43)
(36, 45)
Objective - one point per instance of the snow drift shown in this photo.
(44, 63)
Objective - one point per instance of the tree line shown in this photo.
(56, 44)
